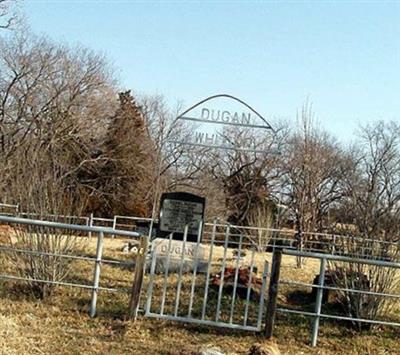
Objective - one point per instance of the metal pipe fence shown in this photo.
(265, 239)
(321, 287)
(197, 288)
(57, 217)
(218, 285)
(8, 209)
(97, 261)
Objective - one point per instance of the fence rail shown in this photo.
(9, 209)
(98, 260)
(265, 239)
(216, 235)
(321, 287)
(223, 292)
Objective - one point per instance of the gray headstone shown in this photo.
(211, 351)
(160, 248)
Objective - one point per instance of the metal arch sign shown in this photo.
(237, 126)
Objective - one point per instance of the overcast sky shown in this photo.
(343, 56)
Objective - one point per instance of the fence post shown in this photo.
(262, 297)
(138, 279)
(90, 224)
(114, 226)
(333, 245)
(96, 277)
(318, 302)
(273, 293)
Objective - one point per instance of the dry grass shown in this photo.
(61, 325)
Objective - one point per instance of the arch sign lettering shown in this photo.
(217, 122)
(224, 122)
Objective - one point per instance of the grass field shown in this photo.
(61, 323)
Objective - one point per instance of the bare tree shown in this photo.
(177, 165)
(51, 104)
(315, 167)
(250, 179)
(42, 191)
(262, 217)
(374, 185)
(52, 116)
(8, 15)
(372, 209)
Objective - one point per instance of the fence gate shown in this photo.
(219, 282)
